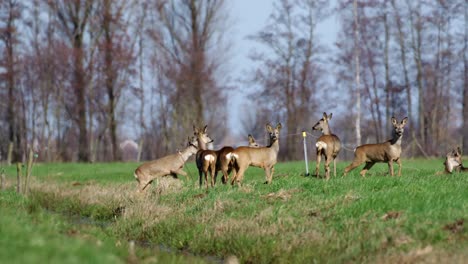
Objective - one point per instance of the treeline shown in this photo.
(79, 77)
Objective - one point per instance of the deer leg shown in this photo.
(351, 166)
(398, 161)
(200, 176)
(334, 166)
(317, 165)
(369, 165)
(180, 172)
(225, 175)
(143, 185)
(327, 167)
(240, 175)
(213, 174)
(390, 167)
(268, 175)
(206, 178)
(235, 172)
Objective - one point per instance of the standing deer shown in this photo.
(203, 139)
(388, 151)
(328, 145)
(453, 161)
(214, 161)
(252, 142)
(168, 165)
(264, 157)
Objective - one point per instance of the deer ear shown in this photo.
(279, 126)
(204, 129)
(459, 150)
(251, 139)
(394, 121)
(404, 121)
(330, 116)
(268, 127)
(195, 129)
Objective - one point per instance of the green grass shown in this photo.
(296, 219)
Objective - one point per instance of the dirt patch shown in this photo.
(455, 227)
(281, 194)
(391, 215)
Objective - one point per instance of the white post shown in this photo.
(304, 134)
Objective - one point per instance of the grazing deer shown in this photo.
(388, 151)
(264, 157)
(214, 161)
(328, 145)
(168, 165)
(453, 161)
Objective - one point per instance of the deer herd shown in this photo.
(238, 160)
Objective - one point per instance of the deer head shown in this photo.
(322, 124)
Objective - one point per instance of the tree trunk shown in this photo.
(110, 80)
(465, 86)
(80, 94)
(357, 76)
(401, 41)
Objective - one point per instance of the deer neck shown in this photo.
(396, 140)
(201, 144)
(275, 146)
(326, 130)
(186, 153)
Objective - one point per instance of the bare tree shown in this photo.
(73, 18)
(116, 49)
(288, 74)
(465, 83)
(357, 74)
(190, 51)
(9, 36)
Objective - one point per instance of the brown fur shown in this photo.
(168, 165)
(388, 151)
(328, 145)
(202, 164)
(453, 162)
(214, 161)
(264, 157)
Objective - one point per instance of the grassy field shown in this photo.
(90, 212)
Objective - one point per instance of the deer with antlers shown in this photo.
(388, 151)
(168, 165)
(328, 145)
(263, 157)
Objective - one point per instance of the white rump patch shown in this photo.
(209, 158)
(321, 145)
(230, 155)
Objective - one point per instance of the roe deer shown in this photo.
(453, 161)
(328, 145)
(252, 142)
(214, 161)
(168, 165)
(388, 151)
(264, 157)
(203, 139)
